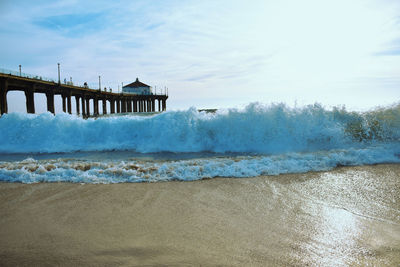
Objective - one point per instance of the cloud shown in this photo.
(390, 52)
(391, 48)
(73, 25)
(252, 51)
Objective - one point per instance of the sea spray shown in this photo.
(192, 145)
(256, 129)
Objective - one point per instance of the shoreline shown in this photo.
(349, 215)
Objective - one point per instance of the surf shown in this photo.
(191, 145)
(258, 128)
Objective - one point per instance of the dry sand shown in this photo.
(348, 216)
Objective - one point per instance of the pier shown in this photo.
(118, 102)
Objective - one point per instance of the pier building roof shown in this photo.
(136, 84)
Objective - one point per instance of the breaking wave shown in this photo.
(136, 170)
(256, 129)
(257, 140)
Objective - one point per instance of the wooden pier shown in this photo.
(119, 102)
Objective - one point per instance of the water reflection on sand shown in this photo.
(335, 238)
(346, 211)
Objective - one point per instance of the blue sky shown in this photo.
(214, 54)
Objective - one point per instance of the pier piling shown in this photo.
(129, 105)
(112, 104)
(69, 104)
(64, 103)
(104, 101)
(87, 102)
(96, 106)
(123, 106)
(30, 100)
(50, 102)
(118, 105)
(3, 96)
(77, 104)
(83, 103)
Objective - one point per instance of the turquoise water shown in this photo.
(190, 145)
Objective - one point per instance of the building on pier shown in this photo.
(137, 88)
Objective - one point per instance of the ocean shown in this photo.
(317, 187)
(191, 145)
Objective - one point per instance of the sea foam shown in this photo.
(257, 128)
(134, 170)
(258, 140)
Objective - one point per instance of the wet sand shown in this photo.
(346, 217)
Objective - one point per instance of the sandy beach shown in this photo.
(346, 217)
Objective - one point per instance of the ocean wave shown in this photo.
(136, 170)
(265, 129)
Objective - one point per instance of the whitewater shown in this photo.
(191, 145)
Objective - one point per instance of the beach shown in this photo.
(349, 216)
(200, 133)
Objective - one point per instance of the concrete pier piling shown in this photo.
(3, 96)
(30, 100)
(118, 102)
(50, 102)
(77, 104)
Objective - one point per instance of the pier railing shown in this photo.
(42, 78)
(89, 85)
(26, 75)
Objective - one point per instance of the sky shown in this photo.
(212, 53)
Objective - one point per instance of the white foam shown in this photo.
(69, 170)
(286, 140)
(257, 128)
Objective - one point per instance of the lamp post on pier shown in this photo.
(20, 73)
(59, 80)
(99, 83)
